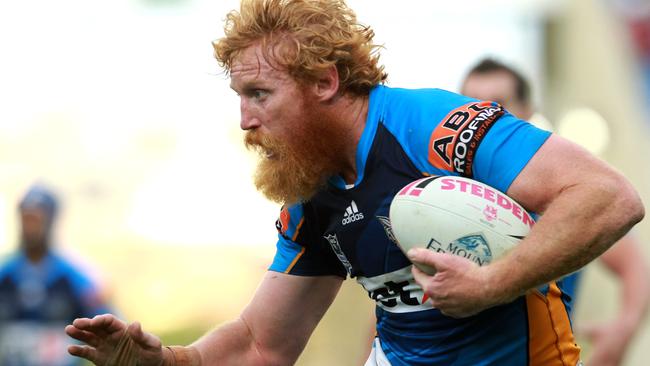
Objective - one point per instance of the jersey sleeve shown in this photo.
(505, 151)
(297, 251)
(88, 292)
(449, 134)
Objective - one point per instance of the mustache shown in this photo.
(253, 140)
(264, 144)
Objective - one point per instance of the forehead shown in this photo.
(492, 85)
(33, 213)
(250, 66)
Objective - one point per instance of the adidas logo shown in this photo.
(351, 214)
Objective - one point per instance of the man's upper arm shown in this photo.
(285, 310)
(557, 166)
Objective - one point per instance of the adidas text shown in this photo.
(352, 218)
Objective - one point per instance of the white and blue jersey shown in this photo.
(345, 231)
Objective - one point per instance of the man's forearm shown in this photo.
(634, 305)
(626, 261)
(566, 237)
(275, 326)
(230, 344)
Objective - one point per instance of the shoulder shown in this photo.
(445, 133)
(10, 264)
(73, 270)
(433, 124)
(290, 221)
(424, 106)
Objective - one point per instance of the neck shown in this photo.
(35, 257)
(36, 253)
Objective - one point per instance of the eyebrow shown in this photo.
(248, 85)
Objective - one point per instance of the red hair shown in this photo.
(306, 37)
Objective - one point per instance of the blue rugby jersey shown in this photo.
(343, 231)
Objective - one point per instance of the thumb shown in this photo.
(142, 339)
(428, 257)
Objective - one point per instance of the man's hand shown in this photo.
(608, 342)
(459, 288)
(110, 342)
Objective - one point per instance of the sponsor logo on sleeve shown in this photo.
(282, 223)
(454, 142)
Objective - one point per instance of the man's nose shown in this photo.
(248, 119)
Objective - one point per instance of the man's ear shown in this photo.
(327, 85)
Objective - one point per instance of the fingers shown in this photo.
(101, 325)
(452, 289)
(87, 352)
(419, 276)
(109, 323)
(428, 257)
(418, 254)
(82, 335)
(144, 340)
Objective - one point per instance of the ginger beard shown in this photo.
(293, 168)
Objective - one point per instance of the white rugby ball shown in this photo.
(459, 216)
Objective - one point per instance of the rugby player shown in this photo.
(335, 146)
(40, 290)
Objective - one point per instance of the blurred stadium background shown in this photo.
(121, 107)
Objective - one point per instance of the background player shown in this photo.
(493, 80)
(40, 291)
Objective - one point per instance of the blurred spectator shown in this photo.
(636, 15)
(41, 292)
(492, 80)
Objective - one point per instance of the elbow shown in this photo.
(636, 209)
(630, 204)
(639, 212)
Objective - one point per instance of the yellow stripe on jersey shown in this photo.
(551, 340)
(295, 234)
(295, 260)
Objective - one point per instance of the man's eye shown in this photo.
(259, 94)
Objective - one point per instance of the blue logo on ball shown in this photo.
(473, 247)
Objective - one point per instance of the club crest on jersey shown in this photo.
(473, 247)
(454, 142)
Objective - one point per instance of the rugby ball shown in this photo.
(459, 216)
